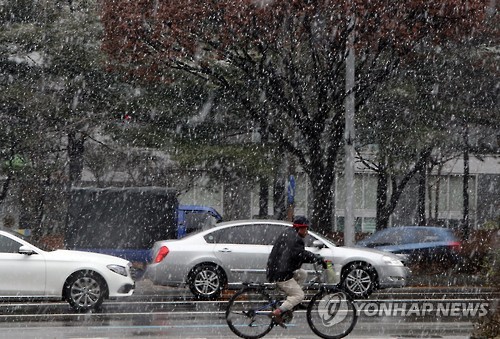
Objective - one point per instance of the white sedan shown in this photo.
(83, 279)
(237, 251)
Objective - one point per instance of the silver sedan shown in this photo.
(237, 251)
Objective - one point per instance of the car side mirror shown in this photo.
(26, 250)
(318, 244)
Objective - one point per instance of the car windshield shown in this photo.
(312, 237)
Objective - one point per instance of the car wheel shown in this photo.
(85, 291)
(206, 281)
(359, 280)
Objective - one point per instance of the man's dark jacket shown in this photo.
(287, 255)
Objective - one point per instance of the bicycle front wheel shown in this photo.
(247, 313)
(331, 314)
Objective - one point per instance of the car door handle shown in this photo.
(225, 249)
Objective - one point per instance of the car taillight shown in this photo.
(162, 253)
(456, 246)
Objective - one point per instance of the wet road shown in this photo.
(157, 325)
(156, 312)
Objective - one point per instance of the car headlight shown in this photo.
(118, 269)
(392, 261)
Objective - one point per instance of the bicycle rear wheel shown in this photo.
(331, 314)
(247, 313)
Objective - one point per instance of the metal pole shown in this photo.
(349, 231)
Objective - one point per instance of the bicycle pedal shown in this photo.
(287, 317)
(282, 324)
(278, 320)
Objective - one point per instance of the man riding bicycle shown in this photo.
(284, 265)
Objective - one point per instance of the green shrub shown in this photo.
(489, 326)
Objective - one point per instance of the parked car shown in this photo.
(237, 251)
(417, 244)
(83, 279)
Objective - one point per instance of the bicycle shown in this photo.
(330, 314)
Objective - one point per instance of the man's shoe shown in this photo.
(276, 317)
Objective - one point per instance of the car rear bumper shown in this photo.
(159, 275)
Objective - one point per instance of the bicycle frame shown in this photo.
(253, 327)
(259, 311)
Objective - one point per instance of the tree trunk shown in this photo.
(5, 187)
(279, 198)
(264, 179)
(438, 196)
(322, 196)
(263, 197)
(76, 148)
(236, 197)
(465, 219)
(10, 173)
(421, 220)
(434, 210)
(386, 205)
(382, 216)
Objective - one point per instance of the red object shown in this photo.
(300, 225)
(456, 246)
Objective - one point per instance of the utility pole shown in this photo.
(349, 219)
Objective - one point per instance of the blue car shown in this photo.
(417, 244)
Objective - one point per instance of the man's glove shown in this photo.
(324, 264)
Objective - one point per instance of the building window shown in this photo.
(369, 224)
